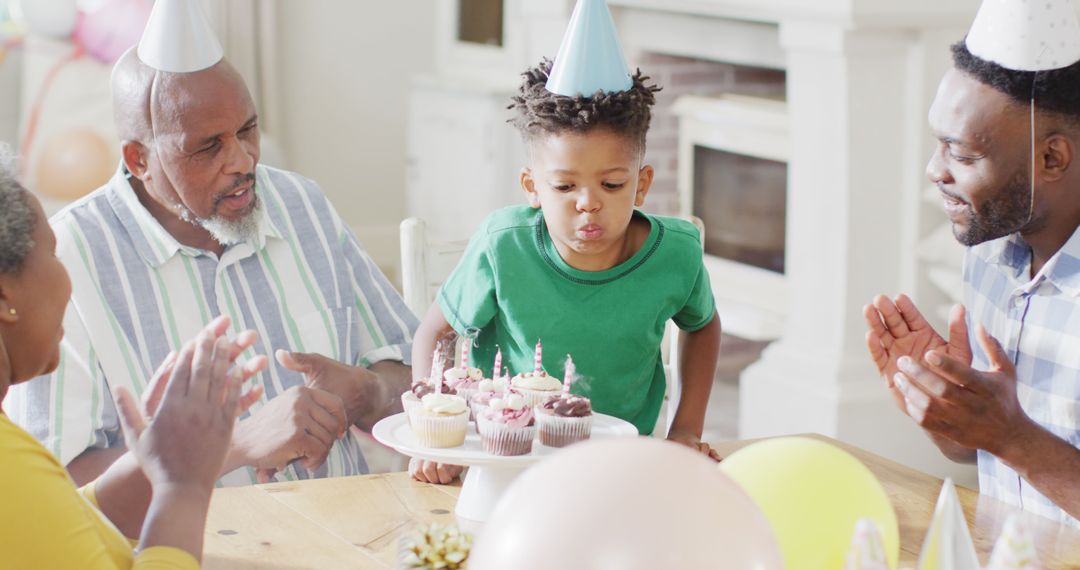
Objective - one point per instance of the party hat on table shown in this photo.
(178, 38)
(948, 544)
(1015, 548)
(590, 58)
(867, 550)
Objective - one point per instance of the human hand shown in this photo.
(301, 423)
(358, 387)
(694, 442)
(897, 329)
(185, 443)
(432, 472)
(975, 409)
(155, 389)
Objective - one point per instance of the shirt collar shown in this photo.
(1062, 270)
(153, 242)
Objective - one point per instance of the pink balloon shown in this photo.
(106, 33)
(627, 503)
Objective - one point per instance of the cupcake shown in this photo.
(507, 426)
(463, 381)
(488, 390)
(420, 388)
(440, 420)
(564, 418)
(536, 386)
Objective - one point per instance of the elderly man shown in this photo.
(1013, 403)
(192, 227)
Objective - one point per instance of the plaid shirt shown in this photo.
(1037, 321)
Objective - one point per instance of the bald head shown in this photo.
(131, 82)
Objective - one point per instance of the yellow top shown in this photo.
(48, 523)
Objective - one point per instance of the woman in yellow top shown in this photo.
(177, 441)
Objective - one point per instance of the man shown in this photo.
(189, 228)
(1009, 396)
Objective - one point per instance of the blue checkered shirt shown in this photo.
(1037, 320)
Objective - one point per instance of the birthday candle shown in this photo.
(569, 375)
(498, 362)
(466, 348)
(434, 365)
(538, 359)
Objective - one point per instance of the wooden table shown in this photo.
(355, 522)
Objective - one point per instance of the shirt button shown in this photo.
(1020, 300)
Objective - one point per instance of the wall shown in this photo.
(344, 73)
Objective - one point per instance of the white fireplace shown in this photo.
(733, 155)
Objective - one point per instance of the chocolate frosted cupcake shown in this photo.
(564, 419)
(507, 426)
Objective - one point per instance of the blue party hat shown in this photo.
(590, 58)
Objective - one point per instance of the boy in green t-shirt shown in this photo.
(581, 268)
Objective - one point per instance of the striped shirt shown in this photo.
(303, 283)
(1037, 321)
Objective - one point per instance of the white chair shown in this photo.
(426, 263)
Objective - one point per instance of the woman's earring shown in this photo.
(12, 311)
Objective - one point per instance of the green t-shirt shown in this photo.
(511, 288)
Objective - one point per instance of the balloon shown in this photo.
(626, 503)
(54, 18)
(813, 494)
(73, 163)
(107, 32)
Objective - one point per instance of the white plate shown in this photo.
(395, 432)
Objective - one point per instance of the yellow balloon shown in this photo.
(813, 493)
(73, 163)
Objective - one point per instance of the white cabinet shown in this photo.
(463, 157)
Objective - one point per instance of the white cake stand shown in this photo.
(489, 475)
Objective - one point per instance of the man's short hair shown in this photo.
(1056, 91)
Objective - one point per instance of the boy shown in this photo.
(580, 268)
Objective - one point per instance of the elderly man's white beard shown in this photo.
(229, 232)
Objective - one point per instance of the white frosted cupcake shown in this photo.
(440, 420)
(536, 387)
(507, 426)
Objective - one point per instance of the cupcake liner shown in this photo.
(501, 439)
(408, 402)
(438, 431)
(467, 393)
(476, 409)
(535, 397)
(557, 431)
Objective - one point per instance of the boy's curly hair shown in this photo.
(539, 111)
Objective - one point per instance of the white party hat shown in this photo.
(948, 544)
(1014, 549)
(178, 38)
(590, 58)
(867, 551)
(1026, 35)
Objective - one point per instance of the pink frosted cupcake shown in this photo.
(507, 426)
(463, 379)
(487, 391)
(440, 421)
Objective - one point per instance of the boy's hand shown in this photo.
(432, 472)
(694, 442)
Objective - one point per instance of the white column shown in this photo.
(857, 111)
